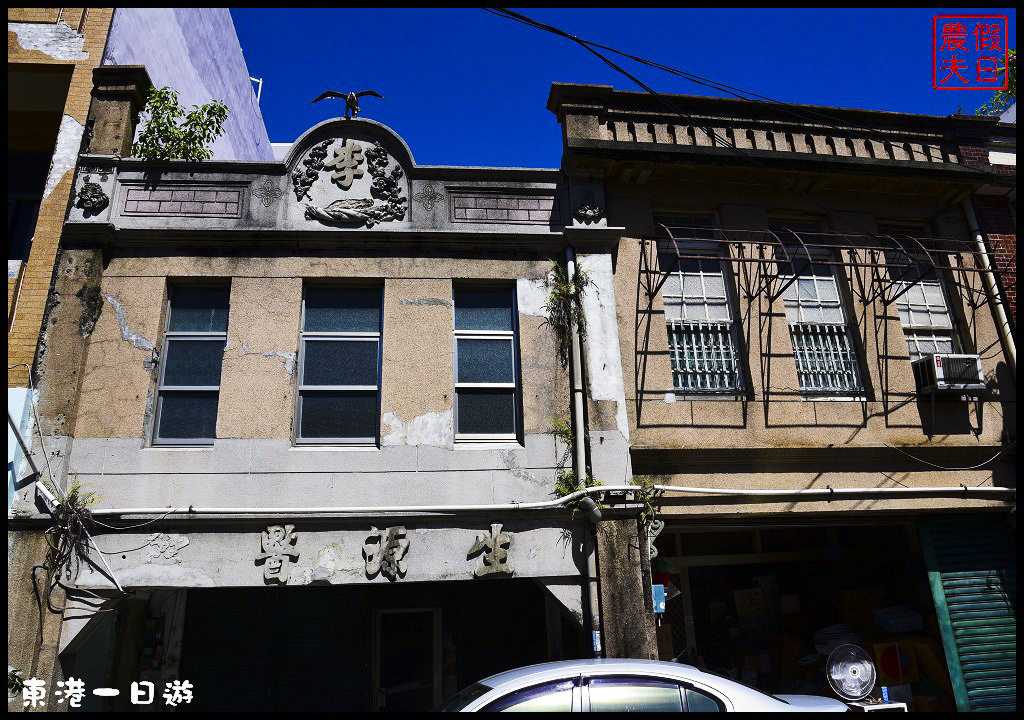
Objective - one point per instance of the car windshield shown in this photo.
(460, 700)
(751, 687)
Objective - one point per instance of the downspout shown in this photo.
(580, 465)
(989, 278)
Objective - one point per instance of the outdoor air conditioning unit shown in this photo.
(949, 373)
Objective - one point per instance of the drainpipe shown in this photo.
(998, 307)
(580, 465)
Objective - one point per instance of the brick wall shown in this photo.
(25, 325)
(183, 201)
(999, 227)
(491, 208)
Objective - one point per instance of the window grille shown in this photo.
(702, 336)
(826, 361)
(486, 375)
(193, 350)
(339, 366)
(703, 356)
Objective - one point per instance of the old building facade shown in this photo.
(323, 406)
(77, 80)
(780, 270)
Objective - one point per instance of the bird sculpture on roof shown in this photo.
(351, 99)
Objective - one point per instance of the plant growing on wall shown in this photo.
(566, 481)
(648, 497)
(565, 307)
(68, 537)
(170, 133)
(15, 681)
(1001, 101)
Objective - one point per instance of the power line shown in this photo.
(710, 131)
(798, 111)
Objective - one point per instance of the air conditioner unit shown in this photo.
(949, 373)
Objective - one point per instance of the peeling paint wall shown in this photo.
(65, 154)
(602, 351)
(57, 40)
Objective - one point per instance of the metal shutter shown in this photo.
(972, 568)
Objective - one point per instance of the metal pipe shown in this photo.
(580, 463)
(576, 370)
(1002, 322)
(556, 503)
(21, 441)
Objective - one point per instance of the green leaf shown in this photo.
(169, 133)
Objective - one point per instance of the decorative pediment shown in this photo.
(350, 173)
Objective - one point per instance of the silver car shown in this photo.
(612, 685)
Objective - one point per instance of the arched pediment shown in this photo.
(350, 173)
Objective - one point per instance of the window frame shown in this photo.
(925, 276)
(337, 336)
(790, 274)
(170, 336)
(628, 679)
(712, 253)
(576, 697)
(512, 336)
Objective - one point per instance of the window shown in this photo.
(920, 300)
(553, 697)
(194, 341)
(826, 361)
(697, 701)
(702, 337)
(633, 695)
(339, 366)
(486, 378)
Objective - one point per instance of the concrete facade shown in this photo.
(268, 232)
(64, 96)
(743, 168)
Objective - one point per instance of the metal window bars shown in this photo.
(704, 357)
(878, 269)
(825, 360)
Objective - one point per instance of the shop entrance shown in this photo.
(406, 659)
(766, 605)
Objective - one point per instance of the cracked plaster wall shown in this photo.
(253, 460)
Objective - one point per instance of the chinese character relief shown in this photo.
(346, 161)
(495, 548)
(278, 551)
(385, 188)
(384, 552)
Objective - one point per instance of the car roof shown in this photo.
(625, 665)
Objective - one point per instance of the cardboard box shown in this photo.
(898, 619)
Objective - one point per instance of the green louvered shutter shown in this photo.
(972, 568)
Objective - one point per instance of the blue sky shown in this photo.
(465, 87)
